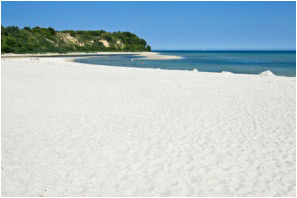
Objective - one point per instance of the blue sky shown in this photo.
(169, 25)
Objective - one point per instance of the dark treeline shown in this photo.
(43, 40)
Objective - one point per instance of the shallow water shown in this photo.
(282, 63)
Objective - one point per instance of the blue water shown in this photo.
(282, 63)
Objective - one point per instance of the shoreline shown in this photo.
(266, 73)
(144, 56)
(147, 55)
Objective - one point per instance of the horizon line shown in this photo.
(223, 49)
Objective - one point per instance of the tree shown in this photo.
(52, 30)
(27, 28)
(12, 29)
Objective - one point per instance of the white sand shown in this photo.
(144, 55)
(71, 129)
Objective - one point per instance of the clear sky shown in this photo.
(169, 25)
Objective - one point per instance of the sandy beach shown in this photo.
(72, 129)
(143, 55)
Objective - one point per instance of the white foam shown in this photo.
(266, 73)
(226, 72)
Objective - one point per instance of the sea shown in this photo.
(281, 63)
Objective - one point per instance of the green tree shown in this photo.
(27, 28)
(52, 30)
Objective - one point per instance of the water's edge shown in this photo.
(282, 63)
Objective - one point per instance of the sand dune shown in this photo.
(71, 129)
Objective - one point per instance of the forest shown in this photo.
(49, 40)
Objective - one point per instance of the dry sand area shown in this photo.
(72, 129)
(143, 55)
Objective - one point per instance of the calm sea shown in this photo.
(282, 63)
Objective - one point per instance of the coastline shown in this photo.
(147, 55)
(138, 56)
(164, 57)
(70, 127)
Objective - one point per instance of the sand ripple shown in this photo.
(70, 129)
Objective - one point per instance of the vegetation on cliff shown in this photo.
(43, 40)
